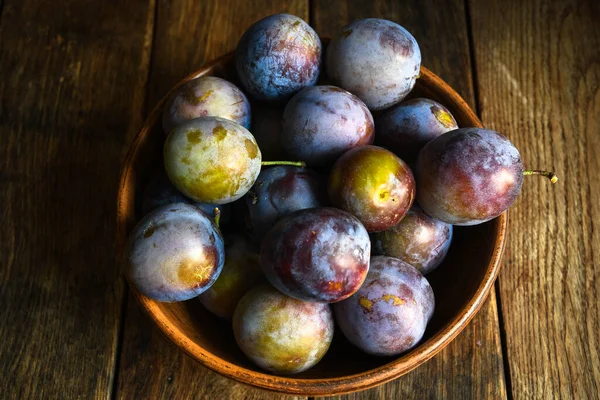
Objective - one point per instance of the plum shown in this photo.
(320, 123)
(207, 96)
(279, 191)
(373, 184)
(174, 253)
(278, 56)
(240, 273)
(266, 128)
(405, 128)
(212, 160)
(390, 312)
(281, 334)
(160, 192)
(468, 176)
(375, 59)
(418, 240)
(318, 254)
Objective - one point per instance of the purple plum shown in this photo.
(207, 96)
(240, 273)
(405, 128)
(174, 253)
(375, 59)
(320, 123)
(417, 239)
(468, 176)
(281, 334)
(318, 254)
(390, 312)
(278, 56)
(279, 191)
(212, 160)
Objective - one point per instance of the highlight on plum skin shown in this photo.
(373, 184)
(389, 314)
(174, 253)
(417, 239)
(330, 264)
(281, 334)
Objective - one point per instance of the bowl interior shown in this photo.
(460, 285)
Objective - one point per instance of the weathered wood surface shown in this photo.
(71, 97)
(538, 68)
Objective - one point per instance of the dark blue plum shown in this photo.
(174, 253)
(375, 59)
(160, 192)
(278, 56)
(404, 129)
(279, 191)
(319, 254)
(323, 122)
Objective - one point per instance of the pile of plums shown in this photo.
(339, 224)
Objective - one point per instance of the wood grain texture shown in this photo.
(72, 79)
(471, 366)
(538, 64)
(188, 33)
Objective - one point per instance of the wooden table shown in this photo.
(78, 77)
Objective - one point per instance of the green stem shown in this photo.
(217, 216)
(300, 164)
(550, 175)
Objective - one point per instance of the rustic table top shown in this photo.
(78, 77)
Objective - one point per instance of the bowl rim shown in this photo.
(290, 384)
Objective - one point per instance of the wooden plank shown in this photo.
(471, 366)
(188, 34)
(72, 79)
(539, 74)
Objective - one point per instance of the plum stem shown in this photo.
(550, 175)
(300, 164)
(217, 216)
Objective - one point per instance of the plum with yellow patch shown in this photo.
(390, 312)
(320, 123)
(281, 334)
(212, 160)
(278, 56)
(419, 240)
(375, 59)
(468, 176)
(373, 184)
(405, 128)
(206, 96)
(240, 273)
(318, 254)
(174, 253)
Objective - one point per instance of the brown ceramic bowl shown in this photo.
(461, 284)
